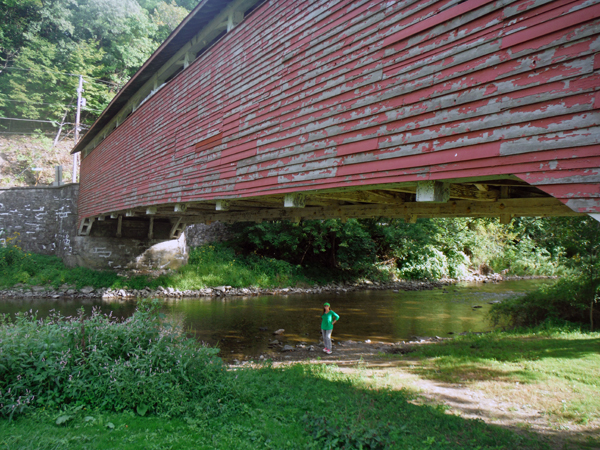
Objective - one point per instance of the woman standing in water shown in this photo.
(328, 318)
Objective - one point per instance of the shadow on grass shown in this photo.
(296, 407)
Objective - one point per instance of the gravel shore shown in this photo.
(65, 291)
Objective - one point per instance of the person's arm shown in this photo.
(336, 317)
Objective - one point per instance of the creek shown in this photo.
(235, 323)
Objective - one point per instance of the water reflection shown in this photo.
(234, 323)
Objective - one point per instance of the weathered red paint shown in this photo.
(374, 92)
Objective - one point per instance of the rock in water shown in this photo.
(280, 331)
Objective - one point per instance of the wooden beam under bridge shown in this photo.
(458, 208)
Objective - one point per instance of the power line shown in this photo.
(99, 80)
(44, 103)
(30, 120)
(41, 120)
(20, 132)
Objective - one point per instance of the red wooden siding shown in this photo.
(321, 94)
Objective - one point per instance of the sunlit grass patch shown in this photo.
(214, 265)
(209, 266)
(550, 369)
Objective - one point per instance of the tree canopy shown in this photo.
(46, 44)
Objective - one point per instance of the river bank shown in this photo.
(70, 291)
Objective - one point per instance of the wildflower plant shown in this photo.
(140, 364)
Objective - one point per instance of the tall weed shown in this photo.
(140, 364)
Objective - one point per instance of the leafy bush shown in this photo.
(138, 364)
(219, 264)
(458, 264)
(330, 244)
(526, 257)
(569, 298)
(426, 263)
(328, 433)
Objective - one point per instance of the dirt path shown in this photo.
(373, 361)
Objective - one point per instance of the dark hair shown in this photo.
(324, 310)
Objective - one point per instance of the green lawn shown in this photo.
(293, 408)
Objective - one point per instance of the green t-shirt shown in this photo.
(327, 320)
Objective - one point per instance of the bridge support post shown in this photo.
(433, 191)
(119, 225)
(294, 200)
(222, 205)
(151, 228)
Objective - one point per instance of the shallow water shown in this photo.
(233, 323)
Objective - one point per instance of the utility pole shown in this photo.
(79, 104)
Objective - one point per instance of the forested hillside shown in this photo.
(46, 44)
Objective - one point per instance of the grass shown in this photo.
(550, 369)
(217, 264)
(209, 265)
(298, 407)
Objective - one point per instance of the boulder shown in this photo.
(280, 331)
(170, 254)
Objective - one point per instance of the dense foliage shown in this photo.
(138, 364)
(45, 45)
(568, 299)
(429, 249)
(572, 298)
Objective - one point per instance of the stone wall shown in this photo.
(44, 220)
(41, 219)
(200, 234)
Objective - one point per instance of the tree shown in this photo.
(45, 45)
(580, 236)
(166, 17)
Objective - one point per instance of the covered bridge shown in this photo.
(288, 109)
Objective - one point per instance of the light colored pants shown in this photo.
(327, 338)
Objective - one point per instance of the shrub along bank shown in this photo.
(429, 249)
(138, 364)
(282, 254)
(572, 298)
